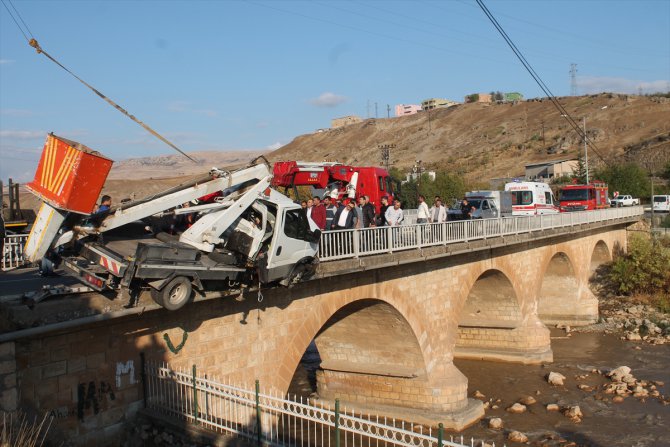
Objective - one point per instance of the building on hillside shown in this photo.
(415, 176)
(479, 97)
(543, 172)
(513, 96)
(498, 183)
(345, 121)
(406, 109)
(437, 103)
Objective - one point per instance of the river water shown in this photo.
(634, 422)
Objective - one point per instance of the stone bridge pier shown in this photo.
(386, 336)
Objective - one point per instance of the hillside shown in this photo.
(481, 141)
(485, 141)
(176, 165)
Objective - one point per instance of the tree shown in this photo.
(666, 171)
(472, 98)
(579, 172)
(626, 178)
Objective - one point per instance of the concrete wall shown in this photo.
(387, 337)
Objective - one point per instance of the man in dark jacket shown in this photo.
(381, 219)
(345, 217)
(368, 212)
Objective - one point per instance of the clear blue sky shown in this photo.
(228, 75)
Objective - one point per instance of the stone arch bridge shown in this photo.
(387, 328)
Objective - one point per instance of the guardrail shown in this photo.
(267, 419)
(343, 244)
(12, 252)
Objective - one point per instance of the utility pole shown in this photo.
(386, 154)
(368, 109)
(388, 111)
(573, 79)
(586, 153)
(376, 112)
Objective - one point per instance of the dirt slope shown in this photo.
(496, 140)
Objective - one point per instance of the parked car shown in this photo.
(624, 200)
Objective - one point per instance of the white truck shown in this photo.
(661, 203)
(249, 234)
(624, 200)
(487, 205)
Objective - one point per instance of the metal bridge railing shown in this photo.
(12, 253)
(267, 419)
(344, 244)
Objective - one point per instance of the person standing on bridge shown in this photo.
(368, 211)
(394, 216)
(438, 213)
(330, 212)
(381, 219)
(422, 213)
(319, 213)
(345, 217)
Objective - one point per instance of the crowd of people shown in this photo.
(331, 214)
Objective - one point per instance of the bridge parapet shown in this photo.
(351, 244)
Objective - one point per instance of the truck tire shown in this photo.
(175, 294)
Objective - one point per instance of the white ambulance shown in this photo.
(531, 198)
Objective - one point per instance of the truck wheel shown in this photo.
(175, 294)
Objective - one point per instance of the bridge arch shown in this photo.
(560, 289)
(378, 352)
(601, 254)
(497, 322)
(491, 301)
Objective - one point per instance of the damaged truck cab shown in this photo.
(248, 234)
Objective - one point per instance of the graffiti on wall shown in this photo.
(90, 395)
(125, 368)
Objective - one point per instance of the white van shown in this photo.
(531, 198)
(661, 203)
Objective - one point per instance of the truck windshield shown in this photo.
(574, 194)
(476, 203)
(522, 197)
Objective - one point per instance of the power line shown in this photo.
(33, 43)
(564, 113)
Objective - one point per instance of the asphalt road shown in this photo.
(19, 281)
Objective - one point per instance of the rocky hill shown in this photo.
(176, 165)
(484, 141)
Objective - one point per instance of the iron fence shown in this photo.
(12, 252)
(268, 419)
(343, 244)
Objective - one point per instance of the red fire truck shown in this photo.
(335, 180)
(583, 197)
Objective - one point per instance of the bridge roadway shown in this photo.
(388, 308)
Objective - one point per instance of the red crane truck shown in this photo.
(335, 180)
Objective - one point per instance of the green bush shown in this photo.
(645, 268)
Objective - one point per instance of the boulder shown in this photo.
(555, 379)
(527, 400)
(618, 373)
(517, 436)
(517, 408)
(574, 413)
(495, 423)
(617, 399)
(552, 407)
(479, 395)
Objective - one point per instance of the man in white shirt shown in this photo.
(422, 212)
(394, 215)
(438, 213)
